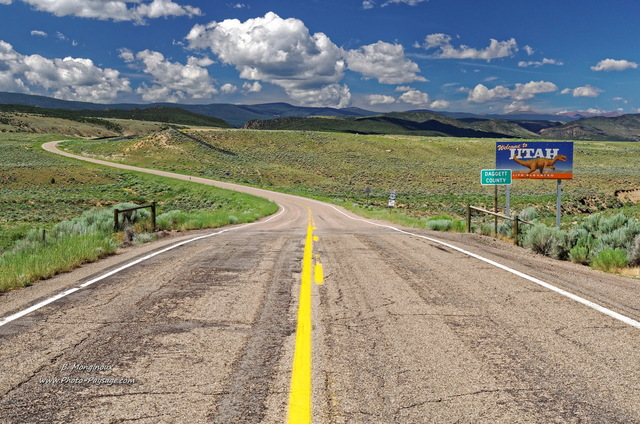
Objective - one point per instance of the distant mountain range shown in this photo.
(520, 124)
(238, 115)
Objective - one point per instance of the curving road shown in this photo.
(407, 326)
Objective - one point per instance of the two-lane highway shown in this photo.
(408, 326)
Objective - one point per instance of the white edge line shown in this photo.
(65, 293)
(599, 308)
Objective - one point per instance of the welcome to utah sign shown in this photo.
(536, 159)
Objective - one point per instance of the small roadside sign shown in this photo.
(495, 177)
(392, 203)
(392, 195)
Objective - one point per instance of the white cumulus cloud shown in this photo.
(116, 10)
(482, 94)
(279, 51)
(540, 63)
(252, 87)
(380, 99)
(172, 81)
(495, 50)
(37, 33)
(385, 61)
(586, 91)
(228, 89)
(515, 106)
(408, 2)
(614, 65)
(68, 78)
(370, 4)
(415, 97)
(440, 104)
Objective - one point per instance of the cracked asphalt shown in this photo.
(405, 330)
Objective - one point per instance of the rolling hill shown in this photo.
(619, 128)
(415, 123)
(99, 123)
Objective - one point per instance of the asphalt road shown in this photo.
(407, 327)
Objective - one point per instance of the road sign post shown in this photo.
(558, 203)
(496, 177)
(392, 199)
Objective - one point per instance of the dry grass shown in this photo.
(630, 272)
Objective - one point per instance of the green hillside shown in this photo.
(431, 174)
(172, 115)
(169, 115)
(420, 123)
(620, 128)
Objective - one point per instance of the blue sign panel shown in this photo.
(536, 159)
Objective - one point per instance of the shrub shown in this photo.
(634, 252)
(528, 214)
(446, 224)
(609, 259)
(439, 224)
(487, 229)
(577, 233)
(506, 229)
(171, 219)
(579, 254)
(549, 241)
(609, 225)
(592, 224)
(459, 226)
(143, 238)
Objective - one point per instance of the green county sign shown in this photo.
(495, 177)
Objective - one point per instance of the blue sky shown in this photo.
(486, 56)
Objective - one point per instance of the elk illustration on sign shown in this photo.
(536, 160)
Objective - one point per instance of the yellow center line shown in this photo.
(300, 393)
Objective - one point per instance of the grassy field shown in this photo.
(434, 178)
(431, 175)
(39, 190)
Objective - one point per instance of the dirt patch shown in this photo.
(591, 204)
(161, 140)
(632, 196)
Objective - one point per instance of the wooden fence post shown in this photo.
(128, 215)
(468, 218)
(515, 229)
(153, 215)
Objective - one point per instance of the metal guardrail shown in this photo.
(515, 219)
